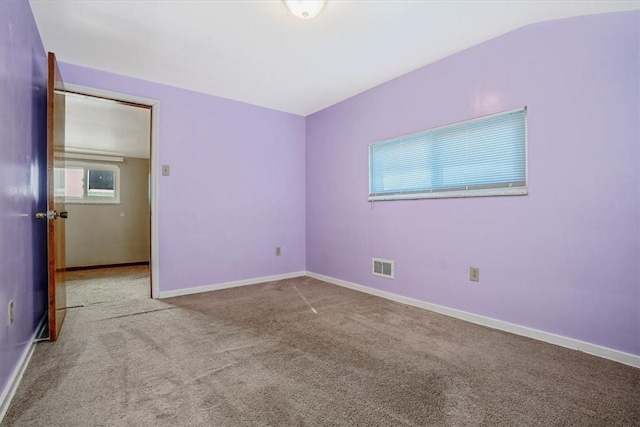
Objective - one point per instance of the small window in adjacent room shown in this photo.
(88, 183)
(481, 157)
(101, 183)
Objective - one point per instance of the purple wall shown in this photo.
(237, 184)
(565, 258)
(23, 83)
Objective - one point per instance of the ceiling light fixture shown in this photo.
(305, 9)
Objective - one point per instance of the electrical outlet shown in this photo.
(474, 274)
(11, 312)
(278, 251)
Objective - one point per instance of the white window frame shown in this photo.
(466, 192)
(86, 197)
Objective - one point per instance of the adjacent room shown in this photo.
(107, 151)
(320, 213)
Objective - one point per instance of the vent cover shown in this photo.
(383, 268)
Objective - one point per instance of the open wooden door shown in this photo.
(56, 212)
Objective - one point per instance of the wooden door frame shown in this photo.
(154, 165)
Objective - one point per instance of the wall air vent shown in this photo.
(383, 268)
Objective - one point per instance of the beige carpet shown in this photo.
(302, 352)
(97, 286)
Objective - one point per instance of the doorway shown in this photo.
(112, 229)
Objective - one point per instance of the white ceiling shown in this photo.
(257, 52)
(99, 126)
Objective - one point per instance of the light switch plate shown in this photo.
(474, 274)
(166, 170)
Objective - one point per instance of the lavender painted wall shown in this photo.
(237, 184)
(23, 83)
(565, 258)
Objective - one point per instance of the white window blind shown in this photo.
(480, 157)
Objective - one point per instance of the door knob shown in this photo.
(52, 215)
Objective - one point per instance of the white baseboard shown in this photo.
(18, 372)
(235, 284)
(593, 349)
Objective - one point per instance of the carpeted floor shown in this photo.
(97, 286)
(302, 352)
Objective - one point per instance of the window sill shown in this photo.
(517, 191)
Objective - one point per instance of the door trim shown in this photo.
(154, 165)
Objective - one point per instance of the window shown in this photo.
(88, 182)
(101, 183)
(481, 157)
